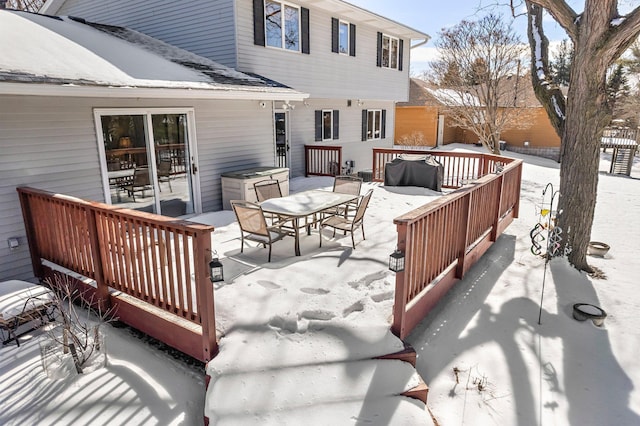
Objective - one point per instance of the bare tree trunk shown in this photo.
(580, 156)
(599, 36)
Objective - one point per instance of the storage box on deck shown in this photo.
(238, 185)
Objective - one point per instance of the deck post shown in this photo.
(498, 207)
(30, 229)
(204, 294)
(400, 305)
(102, 289)
(463, 240)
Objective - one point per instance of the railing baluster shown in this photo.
(442, 241)
(146, 256)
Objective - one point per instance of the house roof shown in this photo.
(68, 56)
(422, 93)
(337, 7)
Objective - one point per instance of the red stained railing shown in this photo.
(443, 239)
(322, 160)
(158, 260)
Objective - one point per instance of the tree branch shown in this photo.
(562, 13)
(549, 94)
(624, 34)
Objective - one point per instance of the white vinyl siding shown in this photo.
(50, 143)
(302, 120)
(204, 28)
(322, 73)
(217, 31)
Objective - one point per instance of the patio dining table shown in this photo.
(118, 177)
(303, 205)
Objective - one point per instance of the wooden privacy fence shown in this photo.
(443, 239)
(322, 160)
(459, 167)
(153, 269)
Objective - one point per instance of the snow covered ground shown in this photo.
(482, 351)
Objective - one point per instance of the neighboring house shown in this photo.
(352, 62)
(84, 107)
(422, 121)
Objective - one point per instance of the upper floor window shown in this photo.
(343, 37)
(281, 25)
(327, 124)
(389, 52)
(373, 124)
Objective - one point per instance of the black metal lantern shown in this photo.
(396, 261)
(216, 270)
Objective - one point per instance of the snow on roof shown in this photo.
(69, 51)
(452, 97)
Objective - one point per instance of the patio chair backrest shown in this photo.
(141, 176)
(267, 189)
(347, 185)
(250, 217)
(164, 168)
(362, 207)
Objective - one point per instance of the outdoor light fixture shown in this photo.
(396, 261)
(216, 269)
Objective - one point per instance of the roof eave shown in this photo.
(348, 11)
(27, 89)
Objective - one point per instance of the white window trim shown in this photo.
(148, 112)
(282, 22)
(324, 138)
(390, 37)
(379, 121)
(341, 22)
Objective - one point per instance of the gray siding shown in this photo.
(223, 31)
(322, 73)
(302, 126)
(50, 143)
(203, 27)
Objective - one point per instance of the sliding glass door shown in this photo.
(148, 159)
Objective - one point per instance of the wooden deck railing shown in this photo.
(156, 260)
(322, 160)
(443, 239)
(459, 167)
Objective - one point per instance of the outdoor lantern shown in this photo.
(396, 261)
(216, 270)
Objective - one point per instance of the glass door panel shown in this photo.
(282, 142)
(128, 162)
(173, 164)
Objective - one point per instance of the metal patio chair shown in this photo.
(266, 189)
(164, 173)
(139, 183)
(348, 224)
(253, 225)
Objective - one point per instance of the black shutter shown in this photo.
(318, 125)
(364, 124)
(335, 35)
(352, 40)
(383, 124)
(400, 51)
(304, 22)
(258, 22)
(336, 124)
(379, 55)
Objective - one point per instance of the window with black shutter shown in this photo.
(327, 124)
(281, 25)
(374, 124)
(389, 52)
